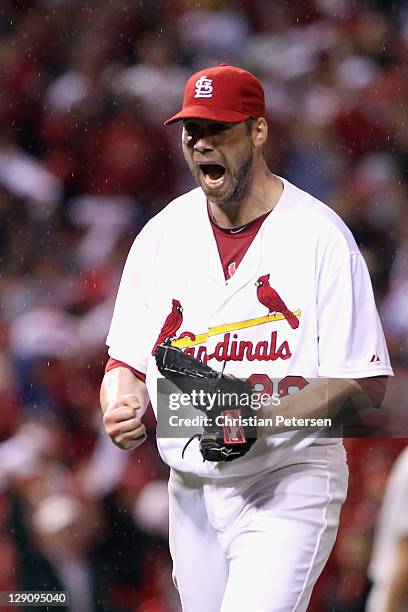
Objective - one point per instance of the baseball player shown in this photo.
(388, 569)
(250, 274)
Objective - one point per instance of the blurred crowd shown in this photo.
(84, 162)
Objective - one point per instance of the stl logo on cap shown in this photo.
(203, 88)
(222, 93)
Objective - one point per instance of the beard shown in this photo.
(239, 179)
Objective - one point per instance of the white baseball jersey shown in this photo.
(314, 266)
(392, 525)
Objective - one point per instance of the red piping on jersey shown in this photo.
(115, 363)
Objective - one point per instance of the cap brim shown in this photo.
(208, 112)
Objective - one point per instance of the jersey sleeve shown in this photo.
(351, 342)
(396, 495)
(115, 363)
(375, 387)
(402, 523)
(129, 338)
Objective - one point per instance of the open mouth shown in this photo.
(213, 174)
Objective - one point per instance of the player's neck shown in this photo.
(262, 198)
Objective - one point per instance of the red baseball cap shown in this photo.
(222, 93)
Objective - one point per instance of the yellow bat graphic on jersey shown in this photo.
(187, 341)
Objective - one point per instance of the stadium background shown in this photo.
(84, 163)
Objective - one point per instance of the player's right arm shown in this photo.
(123, 399)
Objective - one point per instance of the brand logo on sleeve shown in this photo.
(204, 88)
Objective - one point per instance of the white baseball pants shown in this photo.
(256, 543)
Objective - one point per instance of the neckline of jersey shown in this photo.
(240, 231)
(269, 215)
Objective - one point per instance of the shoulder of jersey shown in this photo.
(181, 209)
(164, 227)
(318, 219)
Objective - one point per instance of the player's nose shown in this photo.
(204, 141)
(204, 144)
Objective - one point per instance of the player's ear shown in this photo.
(259, 132)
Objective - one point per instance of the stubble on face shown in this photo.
(239, 176)
(241, 180)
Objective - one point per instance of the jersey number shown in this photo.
(261, 383)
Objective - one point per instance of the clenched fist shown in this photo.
(122, 424)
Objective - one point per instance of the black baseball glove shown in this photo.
(228, 432)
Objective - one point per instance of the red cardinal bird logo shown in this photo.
(272, 300)
(172, 323)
